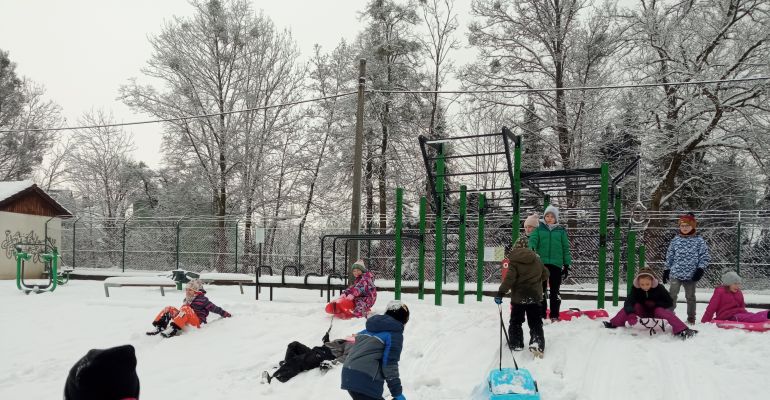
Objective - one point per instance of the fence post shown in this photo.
(616, 250)
(236, 244)
(123, 256)
(516, 190)
(461, 266)
(480, 251)
(178, 229)
(630, 261)
(738, 247)
(421, 256)
(74, 229)
(399, 248)
(603, 234)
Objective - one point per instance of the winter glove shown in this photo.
(226, 314)
(498, 300)
(632, 319)
(400, 397)
(698, 274)
(666, 273)
(565, 272)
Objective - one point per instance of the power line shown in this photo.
(552, 89)
(155, 121)
(521, 90)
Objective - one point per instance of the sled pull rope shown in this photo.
(507, 340)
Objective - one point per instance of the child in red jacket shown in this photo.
(194, 311)
(728, 305)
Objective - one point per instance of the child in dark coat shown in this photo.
(525, 277)
(194, 311)
(649, 299)
(373, 360)
(301, 358)
(728, 304)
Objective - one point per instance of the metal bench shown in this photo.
(138, 281)
(227, 279)
(312, 280)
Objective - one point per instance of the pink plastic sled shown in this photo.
(567, 315)
(748, 326)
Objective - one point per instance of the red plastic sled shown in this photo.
(340, 308)
(567, 315)
(748, 326)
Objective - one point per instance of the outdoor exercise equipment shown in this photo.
(50, 261)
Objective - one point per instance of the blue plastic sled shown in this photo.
(512, 384)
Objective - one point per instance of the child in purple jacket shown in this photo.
(362, 292)
(194, 311)
(649, 299)
(728, 305)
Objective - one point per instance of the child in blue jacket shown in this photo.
(686, 262)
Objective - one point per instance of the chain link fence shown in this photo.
(737, 241)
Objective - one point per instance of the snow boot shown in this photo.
(266, 378)
(691, 320)
(516, 337)
(687, 333)
(608, 325)
(537, 346)
(157, 330)
(174, 331)
(326, 365)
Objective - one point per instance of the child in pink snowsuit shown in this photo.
(728, 305)
(362, 291)
(649, 299)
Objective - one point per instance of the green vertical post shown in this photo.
(546, 202)
(630, 261)
(603, 205)
(480, 251)
(421, 256)
(516, 190)
(641, 256)
(616, 250)
(399, 248)
(178, 231)
(439, 246)
(738, 247)
(461, 261)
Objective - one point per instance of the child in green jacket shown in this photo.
(551, 243)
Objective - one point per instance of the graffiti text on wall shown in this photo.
(11, 239)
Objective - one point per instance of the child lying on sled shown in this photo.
(728, 304)
(194, 311)
(649, 299)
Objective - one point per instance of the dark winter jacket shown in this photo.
(525, 277)
(373, 359)
(685, 254)
(657, 296)
(202, 306)
(552, 245)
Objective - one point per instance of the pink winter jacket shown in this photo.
(725, 304)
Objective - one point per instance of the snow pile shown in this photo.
(448, 351)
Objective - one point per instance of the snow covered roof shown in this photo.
(10, 191)
(10, 188)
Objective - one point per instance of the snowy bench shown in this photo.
(138, 281)
(227, 279)
(312, 280)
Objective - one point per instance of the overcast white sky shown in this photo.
(83, 50)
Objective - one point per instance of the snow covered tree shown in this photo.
(695, 41)
(23, 111)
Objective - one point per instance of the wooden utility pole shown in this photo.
(355, 212)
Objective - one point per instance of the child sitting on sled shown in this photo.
(301, 358)
(649, 299)
(728, 304)
(362, 292)
(525, 277)
(194, 311)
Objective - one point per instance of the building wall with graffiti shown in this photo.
(30, 231)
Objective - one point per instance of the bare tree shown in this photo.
(691, 41)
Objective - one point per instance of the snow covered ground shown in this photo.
(447, 350)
